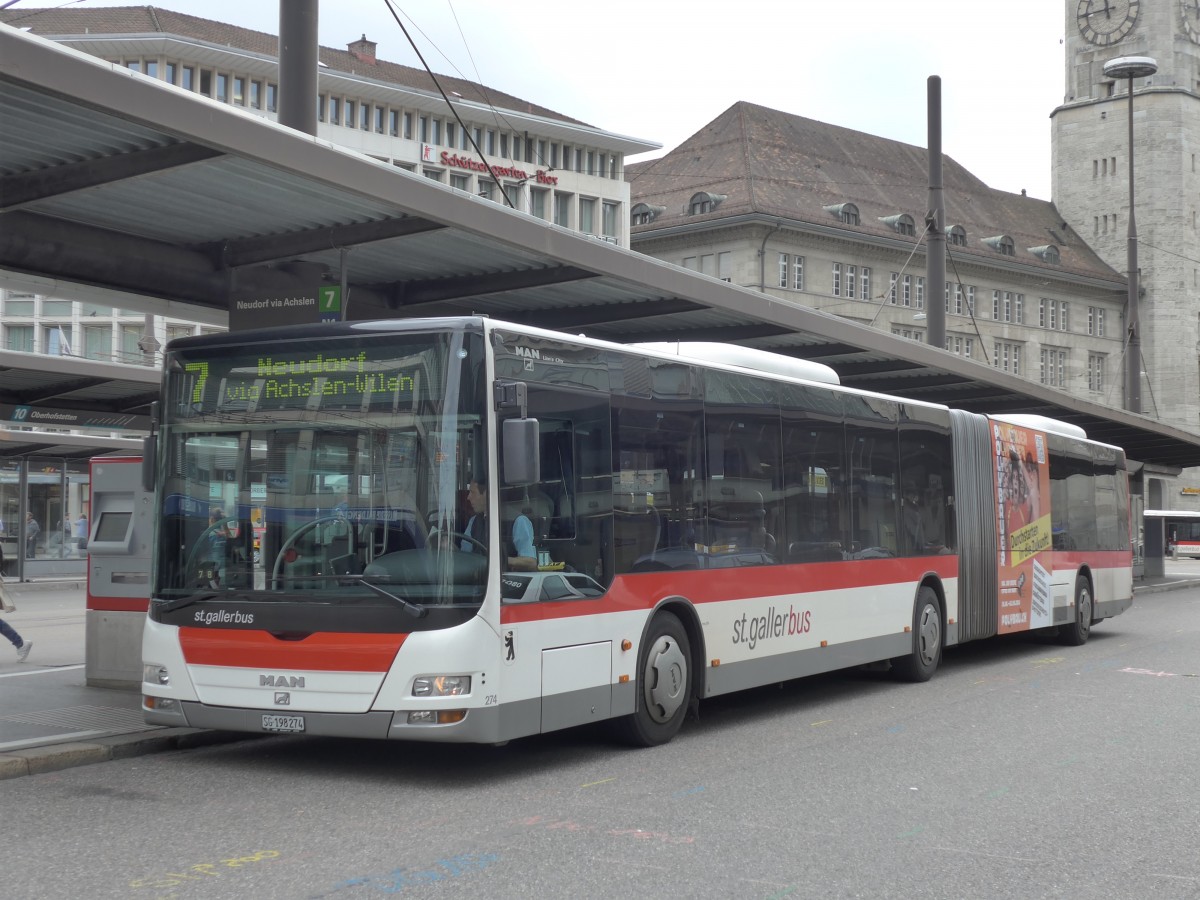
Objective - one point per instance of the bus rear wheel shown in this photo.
(1075, 633)
(664, 685)
(927, 639)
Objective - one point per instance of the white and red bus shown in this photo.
(1181, 528)
(705, 519)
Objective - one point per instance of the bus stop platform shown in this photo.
(51, 719)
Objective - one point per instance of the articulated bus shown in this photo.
(705, 519)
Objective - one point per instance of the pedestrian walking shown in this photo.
(22, 646)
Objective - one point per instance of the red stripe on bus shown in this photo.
(644, 590)
(118, 604)
(321, 651)
(1096, 559)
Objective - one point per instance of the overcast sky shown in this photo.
(662, 69)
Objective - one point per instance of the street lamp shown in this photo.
(1132, 67)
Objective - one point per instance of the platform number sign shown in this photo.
(329, 303)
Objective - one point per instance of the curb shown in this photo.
(55, 757)
(1180, 585)
(20, 588)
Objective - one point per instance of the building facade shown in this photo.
(535, 159)
(834, 219)
(1091, 160)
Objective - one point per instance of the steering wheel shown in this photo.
(457, 537)
(303, 530)
(204, 541)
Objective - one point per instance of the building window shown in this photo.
(222, 88)
(171, 73)
(892, 288)
(920, 295)
(187, 79)
(393, 126)
(379, 119)
(460, 182)
(783, 269)
(1047, 253)
(1096, 321)
(689, 262)
(1095, 372)
(256, 95)
(272, 96)
(851, 273)
(644, 214)
(335, 110)
(487, 190)
(959, 345)
(562, 209)
(97, 341)
(864, 284)
(957, 236)
(901, 224)
(1019, 308)
(206, 82)
(798, 273)
(587, 215)
(537, 202)
(1052, 314)
(408, 126)
(18, 337)
(907, 291)
(239, 90)
(725, 266)
(1053, 367)
(610, 211)
(913, 334)
(351, 119)
(322, 103)
(837, 279)
(704, 202)
(1007, 357)
(1002, 244)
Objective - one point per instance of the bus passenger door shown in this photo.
(576, 685)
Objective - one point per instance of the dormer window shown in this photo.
(1047, 253)
(1002, 244)
(901, 224)
(704, 202)
(644, 213)
(846, 213)
(957, 236)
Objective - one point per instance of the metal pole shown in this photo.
(298, 65)
(1133, 350)
(935, 236)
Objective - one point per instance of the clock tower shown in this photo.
(1090, 178)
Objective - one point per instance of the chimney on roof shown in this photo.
(363, 50)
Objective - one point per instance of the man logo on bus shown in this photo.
(508, 645)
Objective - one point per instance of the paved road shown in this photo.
(1024, 769)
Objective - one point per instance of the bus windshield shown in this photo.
(299, 470)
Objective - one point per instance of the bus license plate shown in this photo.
(291, 724)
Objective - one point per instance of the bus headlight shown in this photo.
(442, 686)
(154, 674)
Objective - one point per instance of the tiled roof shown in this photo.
(773, 163)
(114, 20)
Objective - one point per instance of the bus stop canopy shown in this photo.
(114, 183)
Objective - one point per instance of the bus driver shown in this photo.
(521, 553)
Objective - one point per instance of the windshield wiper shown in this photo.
(414, 609)
(181, 602)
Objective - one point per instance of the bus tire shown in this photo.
(664, 685)
(920, 665)
(1075, 633)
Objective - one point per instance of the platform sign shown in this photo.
(329, 303)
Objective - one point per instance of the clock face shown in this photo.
(1105, 22)
(1191, 19)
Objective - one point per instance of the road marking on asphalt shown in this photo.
(42, 671)
(56, 739)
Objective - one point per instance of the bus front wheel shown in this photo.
(664, 685)
(927, 639)
(1075, 633)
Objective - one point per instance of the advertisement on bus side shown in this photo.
(1023, 525)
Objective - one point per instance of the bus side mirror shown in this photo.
(522, 461)
(149, 457)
